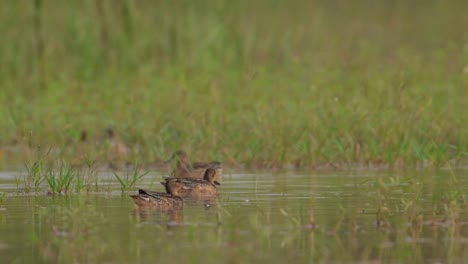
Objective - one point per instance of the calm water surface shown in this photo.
(359, 217)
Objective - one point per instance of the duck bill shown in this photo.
(217, 183)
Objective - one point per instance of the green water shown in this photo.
(258, 218)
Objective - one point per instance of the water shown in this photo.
(357, 217)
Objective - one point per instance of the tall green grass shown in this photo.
(263, 83)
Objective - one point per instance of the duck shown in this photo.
(82, 150)
(159, 200)
(193, 188)
(195, 170)
(118, 149)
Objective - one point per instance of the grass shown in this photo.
(60, 181)
(414, 205)
(34, 177)
(129, 180)
(60, 177)
(258, 84)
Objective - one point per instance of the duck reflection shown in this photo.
(207, 202)
(170, 218)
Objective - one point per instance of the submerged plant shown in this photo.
(70, 229)
(293, 219)
(221, 213)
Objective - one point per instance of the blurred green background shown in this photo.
(259, 83)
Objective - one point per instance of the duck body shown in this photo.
(158, 200)
(193, 188)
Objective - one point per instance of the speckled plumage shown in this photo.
(159, 200)
(194, 188)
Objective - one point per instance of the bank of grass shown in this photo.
(263, 83)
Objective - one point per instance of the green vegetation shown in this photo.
(129, 181)
(259, 83)
(61, 178)
(33, 179)
(60, 181)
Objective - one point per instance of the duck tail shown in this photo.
(139, 200)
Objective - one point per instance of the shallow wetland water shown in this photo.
(262, 217)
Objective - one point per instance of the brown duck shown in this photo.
(193, 188)
(159, 200)
(195, 170)
(117, 149)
